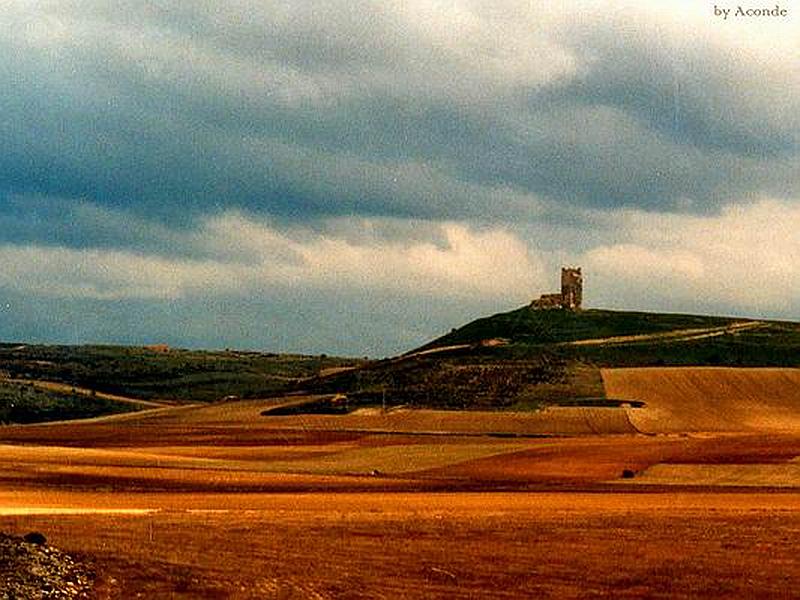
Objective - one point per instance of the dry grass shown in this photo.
(709, 399)
(552, 420)
(441, 546)
(393, 459)
(785, 475)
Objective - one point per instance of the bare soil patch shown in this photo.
(445, 546)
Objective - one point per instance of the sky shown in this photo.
(357, 177)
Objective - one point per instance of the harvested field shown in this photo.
(391, 459)
(785, 475)
(209, 425)
(692, 399)
(220, 502)
(550, 421)
(560, 545)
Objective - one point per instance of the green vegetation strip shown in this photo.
(25, 403)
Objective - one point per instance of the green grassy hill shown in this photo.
(175, 374)
(25, 403)
(621, 338)
(526, 359)
(526, 326)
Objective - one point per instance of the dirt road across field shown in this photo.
(64, 388)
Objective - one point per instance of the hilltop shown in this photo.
(526, 359)
(626, 338)
(526, 326)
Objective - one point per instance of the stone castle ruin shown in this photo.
(571, 295)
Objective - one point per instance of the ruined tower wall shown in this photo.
(571, 288)
(571, 296)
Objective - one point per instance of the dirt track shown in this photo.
(677, 335)
(64, 388)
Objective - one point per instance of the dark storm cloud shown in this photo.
(696, 92)
(67, 222)
(302, 110)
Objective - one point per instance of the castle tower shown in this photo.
(571, 288)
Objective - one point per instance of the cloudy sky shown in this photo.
(356, 176)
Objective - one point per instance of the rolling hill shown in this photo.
(153, 374)
(526, 326)
(517, 360)
(527, 359)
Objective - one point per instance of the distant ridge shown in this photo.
(520, 360)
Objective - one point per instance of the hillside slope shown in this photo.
(715, 399)
(526, 326)
(518, 360)
(526, 359)
(172, 374)
(623, 338)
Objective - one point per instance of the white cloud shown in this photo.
(107, 275)
(746, 259)
(250, 257)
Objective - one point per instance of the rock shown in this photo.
(30, 569)
(34, 537)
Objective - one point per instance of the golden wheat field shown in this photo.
(685, 399)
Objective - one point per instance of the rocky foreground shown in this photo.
(30, 569)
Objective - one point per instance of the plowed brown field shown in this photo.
(533, 545)
(221, 502)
